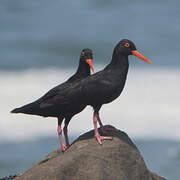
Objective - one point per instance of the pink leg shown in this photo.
(104, 129)
(99, 121)
(100, 124)
(59, 130)
(66, 135)
(96, 133)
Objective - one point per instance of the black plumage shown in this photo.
(105, 86)
(98, 89)
(54, 104)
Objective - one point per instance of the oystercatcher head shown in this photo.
(87, 56)
(127, 47)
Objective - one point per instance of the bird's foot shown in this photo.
(100, 138)
(63, 147)
(67, 145)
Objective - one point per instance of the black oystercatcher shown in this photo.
(53, 103)
(105, 86)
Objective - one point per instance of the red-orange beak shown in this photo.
(89, 61)
(139, 55)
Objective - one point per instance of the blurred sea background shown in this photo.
(40, 44)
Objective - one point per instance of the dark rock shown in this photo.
(9, 178)
(116, 159)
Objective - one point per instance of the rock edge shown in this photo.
(117, 159)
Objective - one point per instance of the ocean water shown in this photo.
(37, 34)
(148, 106)
(40, 44)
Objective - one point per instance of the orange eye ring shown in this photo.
(82, 53)
(126, 44)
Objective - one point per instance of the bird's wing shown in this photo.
(97, 87)
(54, 91)
(60, 96)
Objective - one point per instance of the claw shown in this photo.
(63, 147)
(100, 138)
(96, 133)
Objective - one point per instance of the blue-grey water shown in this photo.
(40, 43)
(42, 33)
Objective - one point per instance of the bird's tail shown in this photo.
(27, 109)
(16, 110)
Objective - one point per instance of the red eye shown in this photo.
(126, 44)
(82, 53)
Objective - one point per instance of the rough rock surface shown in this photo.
(9, 178)
(116, 159)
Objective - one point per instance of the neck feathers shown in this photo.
(119, 61)
(82, 72)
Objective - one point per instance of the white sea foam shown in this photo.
(149, 106)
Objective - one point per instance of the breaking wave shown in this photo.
(147, 108)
